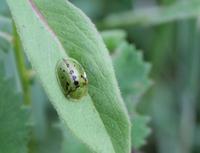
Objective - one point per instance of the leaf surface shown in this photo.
(13, 119)
(132, 72)
(139, 130)
(133, 76)
(51, 30)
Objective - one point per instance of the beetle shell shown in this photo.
(72, 78)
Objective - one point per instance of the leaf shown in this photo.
(99, 119)
(5, 24)
(4, 8)
(165, 118)
(116, 6)
(133, 76)
(13, 119)
(113, 38)
(4, 42)
(139, 130)
(5, 33)
(50, 143)
(153, 16)
(72, 145)
(45, 130)
(132, 72)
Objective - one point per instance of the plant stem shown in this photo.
(23, 73)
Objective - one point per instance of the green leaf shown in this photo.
(5, 42)
(5, 33)
(165, 118)
(46, 136)
(113, 38)
(13, 119)
(153, 16)
(116, 5)
(133, 76)
(139, 130)
(72, 145)
(132, 72)
(4, 8)
(99, 119)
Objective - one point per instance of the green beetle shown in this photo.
(72, 78)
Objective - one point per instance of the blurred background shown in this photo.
(155, 48)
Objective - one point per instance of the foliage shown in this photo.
(140, 131)
(13, 117)
(153, 15)
(113, 38)
(163, 119)
(103, 107)
(132, 74)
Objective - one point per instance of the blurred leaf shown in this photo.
(116, 5)
(2, 67)
(51, 143)
(13, 119)
(154, 16)
(98, 119)
(113, 38)
(132, 72)
(4, 43)
(93, 8)
(39, 102)
(4, 8)
(165, 118)
(5, 24)
(5, 33)
(139, 130)
(196, 138)
(46, 135)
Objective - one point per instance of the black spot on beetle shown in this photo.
(63, 70)
(67, 85)
(76, 83)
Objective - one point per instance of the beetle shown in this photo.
(72, 78)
